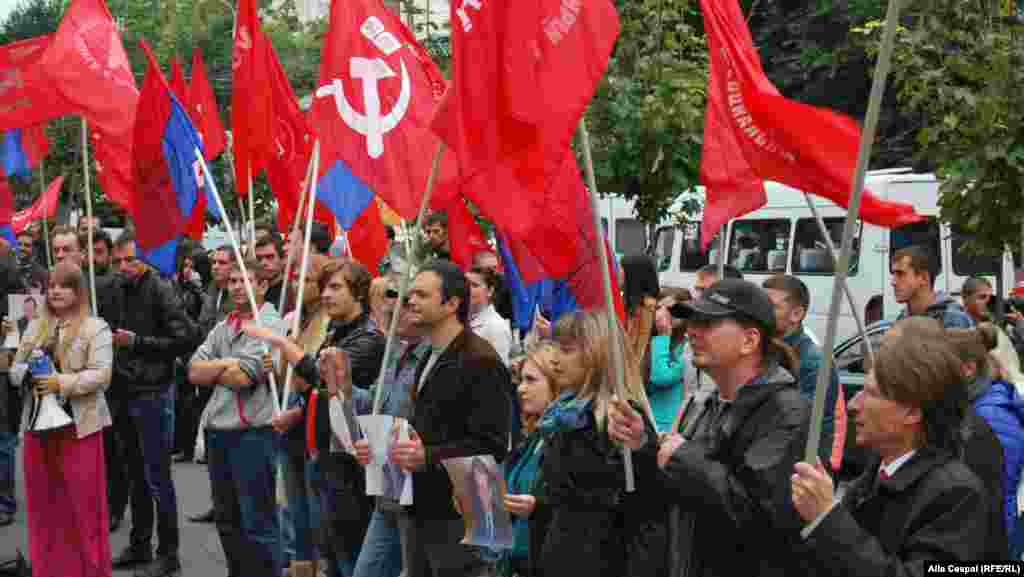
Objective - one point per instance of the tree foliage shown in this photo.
(646, 120)
(958, 66)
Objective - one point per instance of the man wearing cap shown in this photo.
(727, 464)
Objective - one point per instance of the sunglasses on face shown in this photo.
(391, 293)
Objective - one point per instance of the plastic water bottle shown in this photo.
(39, 363)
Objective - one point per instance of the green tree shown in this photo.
(958, 67)
(646, 120)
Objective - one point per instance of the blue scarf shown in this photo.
(567, 413)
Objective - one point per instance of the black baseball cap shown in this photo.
(730, 298)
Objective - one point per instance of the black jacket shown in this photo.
(462, 410)
(596, 528)
(932, 510)
(150, 308)
(731, 479)
(365, 349)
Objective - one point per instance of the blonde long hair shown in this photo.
(541, 355)
(68, 276)
(590, 331)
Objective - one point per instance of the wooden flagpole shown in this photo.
(252, 216)
(615, 338)
(311, 171)
(852, 212)
(296, 223)
(88, 216)
(46, 221)
(241, 263)
(403, 286)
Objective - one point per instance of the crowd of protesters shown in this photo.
(921, 465)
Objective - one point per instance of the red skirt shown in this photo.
(66, 503)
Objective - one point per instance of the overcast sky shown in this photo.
(6, 6)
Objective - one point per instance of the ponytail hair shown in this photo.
(973, 345)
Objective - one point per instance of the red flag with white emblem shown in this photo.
(372, 109)
(203, 108)
(251, 96)
(27, 96)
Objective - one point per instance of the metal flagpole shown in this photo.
(311, 171)
(241, 263)
(854, 307)
(867, 138)
(403, 286)
(615, 339)
(88, 215)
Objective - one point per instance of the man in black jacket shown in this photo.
(150, 331)
(461, 408)
(917, 506)
(728, 465)
(10, 399)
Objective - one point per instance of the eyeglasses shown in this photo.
(391, 293)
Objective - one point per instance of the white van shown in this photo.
(783, 237)
(629, 234)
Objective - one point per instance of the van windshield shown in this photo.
(967, 262)
(664, 241)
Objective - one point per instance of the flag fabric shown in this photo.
(89, 68)
(753, 134)
(178, 83)
(44, 207)
(164, 160)
(113, 160)
(529, 288)
(465, 237)
(27, 96)
(522, 77)
(377, 92)
(22, 149)
(7, 214)
(251, 96)
(367, 239)
(203, 108)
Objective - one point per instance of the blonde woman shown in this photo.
(65, 477)
(538, 388)
(597, 529)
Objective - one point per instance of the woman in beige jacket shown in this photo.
(65, 480)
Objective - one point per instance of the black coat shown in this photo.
(596, 528)
(150, 308)
(461, 411)
(731, 480)
(932, 510)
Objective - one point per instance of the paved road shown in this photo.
(200, 552)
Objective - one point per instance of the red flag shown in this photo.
(178, 83)
(35, 143)
(251, 96)
(89, 68)
(377, 92)
(464, 234)
(203, 109)
(27, 96)
(44, 207)
(752, 134)
(113, 161)
(522, 76)
(367, 239)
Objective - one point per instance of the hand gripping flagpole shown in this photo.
(311, 180)
(615, 339)
(241, 262)
(403, 286)
(88, 216)
(867, 138)
(854, 306)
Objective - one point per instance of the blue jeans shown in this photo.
(242, 466)
(146, 426)
(381, 555)
(284, 510)
(8, 448)
(300, 477)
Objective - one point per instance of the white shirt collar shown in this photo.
(895, 464)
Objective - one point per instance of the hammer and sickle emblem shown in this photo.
(371, 125)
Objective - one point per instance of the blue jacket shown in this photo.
(947, 311)
(665, 387)
(1003, 410)
(807, 382)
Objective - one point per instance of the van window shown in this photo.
(691, 257)
(759, 245)
(969, 263)
(630, 236)
(664, 241)
(810, 251)
(924, 233)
